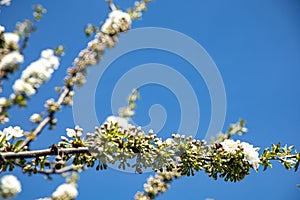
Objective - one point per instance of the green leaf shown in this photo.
(3, 140)
(18, 144)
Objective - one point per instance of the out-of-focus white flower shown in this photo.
(237, 128)
(122, 122)
(115, 20)
(48, 53)
(117, 15)
(169, 141)
(65, 191)
(230, 146)
(35, 118)
(5, 2)
(70, 132)
(251, 154)
(13, 132)
(10, 186)
(37, 73)
(3, 101)
(63, 138)
(11, 38)
(11, 59)
(2, 29)
(126, 112)
(106, 26)
(159, 142)
(20, 86)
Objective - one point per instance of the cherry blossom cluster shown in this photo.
(10, 186)
(117, 21)
(157, 185)
(11, 132)
(66, 191)
(37, 73)
(10, 56)
(250, 153)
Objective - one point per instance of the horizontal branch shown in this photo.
(43, 152)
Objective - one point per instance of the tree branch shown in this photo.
(57, 171)
(45, 121)
(43, 152)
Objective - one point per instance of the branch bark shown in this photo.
(43, 152)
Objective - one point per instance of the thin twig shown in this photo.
(45, 121)
(57, 171)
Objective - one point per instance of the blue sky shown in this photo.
(256, 47)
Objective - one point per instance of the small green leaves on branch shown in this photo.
(283, 154)
(230, 159)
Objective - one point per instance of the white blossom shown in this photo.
(2, 29)
(65, 191)
(13, 132)
(5, 2)
(230, 146)
(251, 154)
(70, 132)
(106, 26)
(117, 15)
(3, 101)
(35, 118)
(169, 141)
(64, 138)
(11, 59)
(11, 38)
(159, 142)
(20, 86)
(126, 111)
(115, 20)
(37, 73)
(122, 122)
(78, 131)
(10, 186)
(48, 53)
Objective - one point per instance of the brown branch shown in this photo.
(43, 152)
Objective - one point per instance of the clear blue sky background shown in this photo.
(256, 46)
